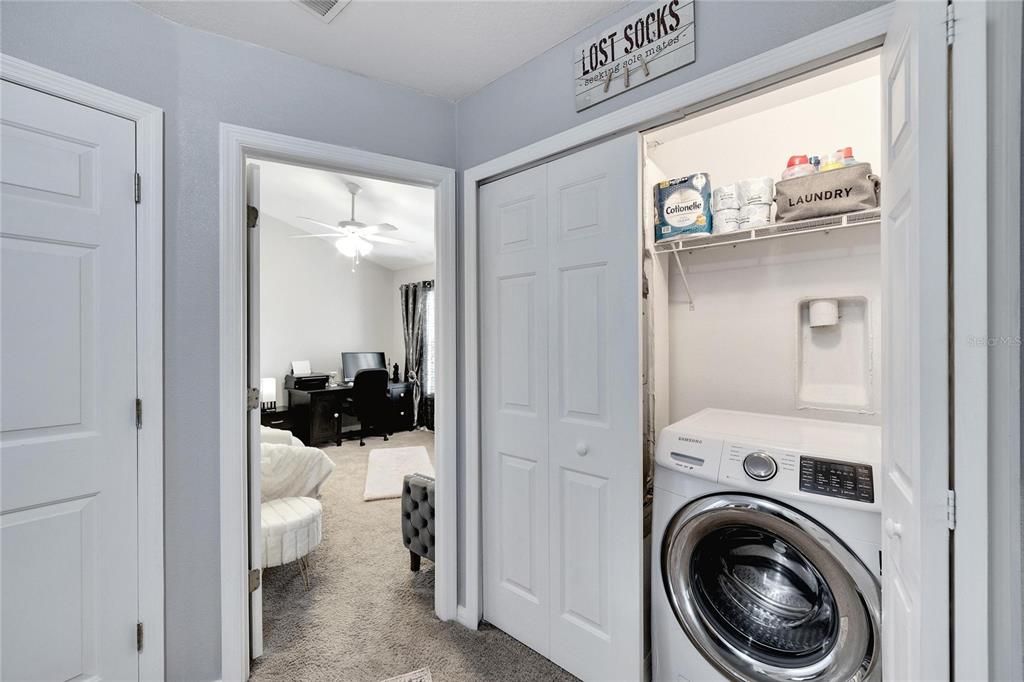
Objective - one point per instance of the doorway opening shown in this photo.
(762, 315)
(328, 379)
(763, 395)
(342, 337)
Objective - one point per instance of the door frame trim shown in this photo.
(149, 141)
(847, 38)
(236, 144)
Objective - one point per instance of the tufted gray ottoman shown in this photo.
(418, 518)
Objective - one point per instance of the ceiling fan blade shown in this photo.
(309, 236)
(327, 225)
(384, 240)
(383, 227)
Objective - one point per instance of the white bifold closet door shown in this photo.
(561, 409)
(915, 261)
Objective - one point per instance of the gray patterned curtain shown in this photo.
(413, 297)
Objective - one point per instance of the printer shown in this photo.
(306, 382)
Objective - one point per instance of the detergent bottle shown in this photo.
(797, 166)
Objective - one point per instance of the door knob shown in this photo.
(893, 529)
(582, 449)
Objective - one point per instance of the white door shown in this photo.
(68, 437)
(915, 550)
(252, 191)
(514, 404)
(594, 405)
(561, 427)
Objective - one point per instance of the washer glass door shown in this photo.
(766, 593)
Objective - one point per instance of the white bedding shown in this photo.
(292, 470)
(270, 435)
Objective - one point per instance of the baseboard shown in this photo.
(463, 616)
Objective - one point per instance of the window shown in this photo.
(429, 345)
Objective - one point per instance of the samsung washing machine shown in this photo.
(766, 550)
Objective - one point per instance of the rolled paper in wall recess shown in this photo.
(755, 215)
(724, 197)
(756, 191)
(823, 312)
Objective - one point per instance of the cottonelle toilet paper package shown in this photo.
(684, 207)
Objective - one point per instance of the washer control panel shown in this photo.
(837, 479)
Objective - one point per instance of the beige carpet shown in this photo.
(366, 616)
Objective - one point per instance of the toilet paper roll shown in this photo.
(725, 197)
(823, 312)
(756, 191)
(755, 215)
(726, 220)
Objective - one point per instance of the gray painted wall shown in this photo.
(200, 79)
(536, 100)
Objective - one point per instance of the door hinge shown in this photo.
(252, 215)
(253, 398)
(138, 188)
(138, 413)
(254, 580)
(950, 24)
(138, 636)
(951, 509)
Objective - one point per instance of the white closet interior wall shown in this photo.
(737, 348)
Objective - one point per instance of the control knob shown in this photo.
(760, 466)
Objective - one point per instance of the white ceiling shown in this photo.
(445, 48)
(287, 192)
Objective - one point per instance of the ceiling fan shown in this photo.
(354, 238)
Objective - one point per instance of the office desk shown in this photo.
(321, 416)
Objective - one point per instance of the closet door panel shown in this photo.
(514, 405)
(595, 440)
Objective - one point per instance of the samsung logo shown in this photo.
(695, 441)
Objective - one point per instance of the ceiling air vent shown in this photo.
(325, 9)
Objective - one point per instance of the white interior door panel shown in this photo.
(255, 497)
(514, 402)
(915, 575)
(68, 439)
(595, 438)
(561, 409)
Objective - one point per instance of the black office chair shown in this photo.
(372, 407)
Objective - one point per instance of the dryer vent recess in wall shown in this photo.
(325, 9)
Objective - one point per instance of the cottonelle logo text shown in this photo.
(683, 207)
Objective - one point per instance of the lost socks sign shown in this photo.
(649, 44)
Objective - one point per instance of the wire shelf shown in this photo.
(773, 231)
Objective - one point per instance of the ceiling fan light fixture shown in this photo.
(353, 246)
